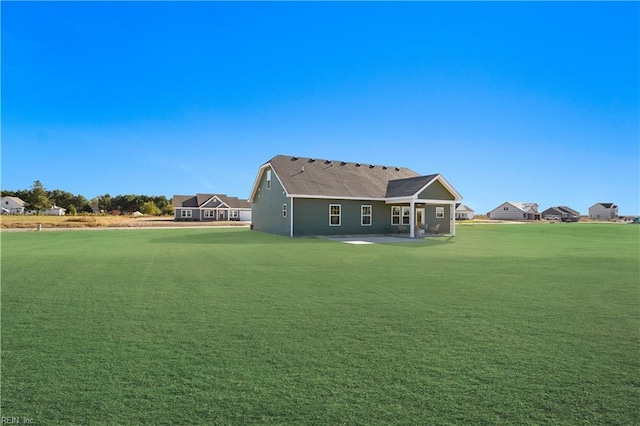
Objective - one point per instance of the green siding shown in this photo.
(445, 222)
(266, 208)
(436, 191)
(312, 217)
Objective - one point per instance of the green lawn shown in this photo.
(513, 324)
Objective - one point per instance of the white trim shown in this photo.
(441, 211)
(184, 215)
(291, 218)
(268, 179)
(285, 207)
(339, 215)
(256, 183)
(330, 197)
(370, 215)
(412, 219)
(399, 216)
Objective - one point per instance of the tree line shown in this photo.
(38, 199)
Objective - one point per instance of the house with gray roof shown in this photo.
(561, 213)
(298, 196)
(603, 211)
(210, 207)
(515, 210)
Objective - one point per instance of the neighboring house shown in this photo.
(562, 213)
(296, 196)
(54, 211)
(464, 212)
(603, 211)
(210, 207)
(512, 210)
(12, 205)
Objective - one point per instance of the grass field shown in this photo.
(503, 324)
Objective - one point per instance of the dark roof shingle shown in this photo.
(314, 177)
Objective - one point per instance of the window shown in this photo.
(505, 208)
(268, 179)
(284, 210)
(406, 211)
(234, 213)
(209, 213)
(440, 212)
(365, 215)
(334, 214)
(185, 213)
(395, 215)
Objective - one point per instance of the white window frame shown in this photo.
(268, 179)
(233, 214)
(406, 215)
(284, 210)
(363, 215)
(396, 209)
(439, 212)
(186, 213)
(339, 214)
(209, 214)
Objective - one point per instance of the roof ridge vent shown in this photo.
(358, 164)
(371, 166)
(294, 158)
(397, 169)
(384, 167)
(342, 163)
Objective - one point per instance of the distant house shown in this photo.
(210, 207)
(54, 211)
(512, 210)
(463, 212)
(296, 196)
(12, 205)
(603, 211)
(562, 213)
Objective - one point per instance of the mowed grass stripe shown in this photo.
(502, 324)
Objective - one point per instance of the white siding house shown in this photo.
(54, 211)
(512, 210)
(464, 212)
(603, 211)
(12, 205)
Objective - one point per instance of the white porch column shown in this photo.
(412, 219)
(453, 219)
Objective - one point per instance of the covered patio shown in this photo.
(420, 217)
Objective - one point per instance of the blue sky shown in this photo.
(527, 101)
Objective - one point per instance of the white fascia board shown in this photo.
(447, 185)
(256, 183)
(335, 197)
(418, 201)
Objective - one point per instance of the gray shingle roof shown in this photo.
(407, 187)
(330, 178)
(199, 199)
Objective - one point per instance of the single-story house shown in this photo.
(210, 207)
(12, 205)
(54, 211)
(512, 210)
(297, 196)
(562, 213)
(464, 212)
(603, 211)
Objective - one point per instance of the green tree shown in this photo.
(150, 208)
(37, 199)
(71, 210)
